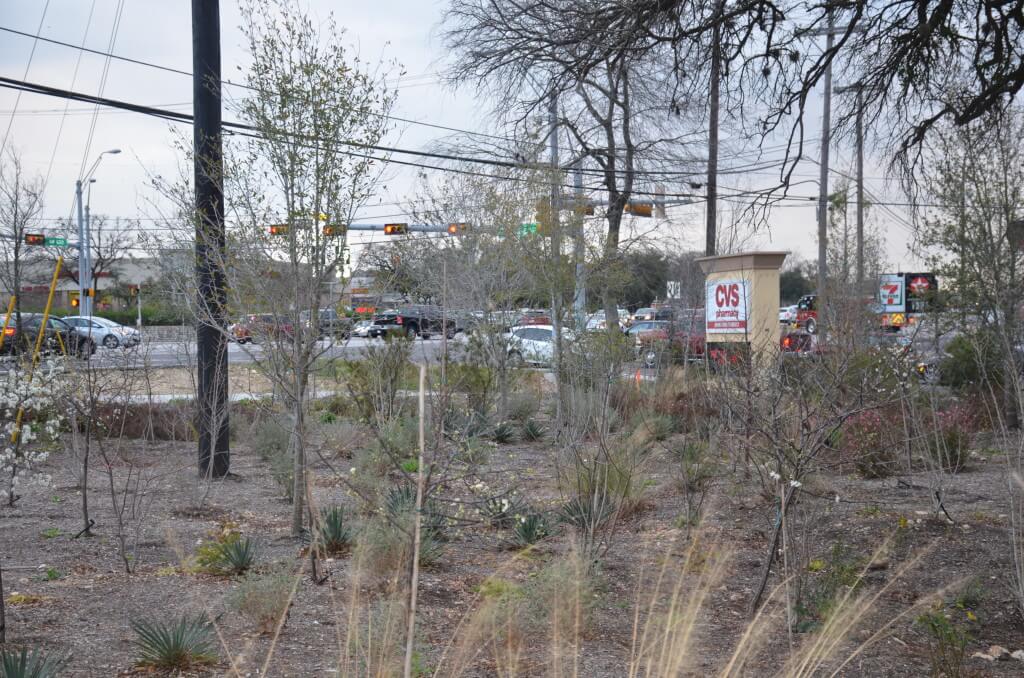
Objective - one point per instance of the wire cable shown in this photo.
(31, 55)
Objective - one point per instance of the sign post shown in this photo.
(742, 301)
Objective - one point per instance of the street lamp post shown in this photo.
(84, 250)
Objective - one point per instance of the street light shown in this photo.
(84, 255)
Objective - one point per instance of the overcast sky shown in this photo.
(54, 144)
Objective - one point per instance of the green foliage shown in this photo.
(477, 381)
(971, 362)
(697, 472)
(25, 664)
(398, 439)
(947, 644)
(225, 551)
(503, 432)
(410, 465)
(238, 556)
(530, 529)
(52, 574)
(840, 571)
(588, 512)
(501, 512)
(181, 644)
(374, 381)
(50, 533)
(533, 430)
(333, 532)
(263, 598)
(400, 506)
(465, 423)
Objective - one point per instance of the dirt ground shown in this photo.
(84, 607)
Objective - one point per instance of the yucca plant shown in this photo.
(25, 664)
(530, 529)
(501, 512)
(238, 556)
(400, 505)
(333, 532)
(533, 430)
(503, 432)
(189, 641)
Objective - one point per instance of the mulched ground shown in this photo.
(84, 608)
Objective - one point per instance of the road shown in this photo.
(182, 354)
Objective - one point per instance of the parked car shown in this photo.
(532, 317)
(532, 344)
(645, 326)
(106, 332)
(596, 321)
(680, 340)
(58, 338)
(362, 329)
(787, 314)
(412, 321)
(259, 327)
(330, 323)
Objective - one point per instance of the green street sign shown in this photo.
(527, 229)
(56, 242)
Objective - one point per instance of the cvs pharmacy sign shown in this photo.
(726, 306)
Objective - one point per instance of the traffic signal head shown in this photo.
(396, 229)
(74, 302)
(639, 209)
(455, 229)
(334, 230)
(279, 229)
(133, 290)
(35, 239)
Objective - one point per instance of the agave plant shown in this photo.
(400, 505)
(333, 532)
(533, 430)
(501, 512)
(186, 642)
(503, 432)
(25, 664)
(530, 529)
(237, 556)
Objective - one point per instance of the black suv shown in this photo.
(411, 321)
(330, 323)
(59, 338)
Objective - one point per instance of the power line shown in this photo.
(31, 55)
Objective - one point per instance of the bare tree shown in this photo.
(111, 242)
(21, 204)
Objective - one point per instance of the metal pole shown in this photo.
(556, 255)
(138, 308)
(826, 124)
(87, 249)
(860, 189)
(211, 346)
(712, 181)
(83, 252)
(580, 297)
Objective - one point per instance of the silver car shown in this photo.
(105, 332)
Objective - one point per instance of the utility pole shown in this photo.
(860, 189)
(580, 296)
(556, 253)
(84, 305)
(211, 347)
(826, 125)
(712, 182)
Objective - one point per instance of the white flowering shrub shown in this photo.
(22, 456)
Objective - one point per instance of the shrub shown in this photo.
(522, 406)
(333, 532)
(696, 474)
(949, 441)
(970, 361)
(400, 505)
(374, 381)
(867, 439)
(25, 664)
(657, 426)
(263, 598)
(475, 452)
(225, 551)
(238, 556)
(181, 644)
(533, 430)
(270, 441)
(384, 548)
(503, 432)
(947, 644)
(530, 529)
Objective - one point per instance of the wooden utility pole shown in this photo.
(712, 181)
(211, 345)
(860, 189)
(821, 302)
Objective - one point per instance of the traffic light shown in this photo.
(396, 229)
(133, 291)
(639, 209)
(74, 302)
(35, 239)
(455, 229)
(279, 229)
(90, 292)
(335, 230)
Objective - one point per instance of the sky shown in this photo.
(60, 146)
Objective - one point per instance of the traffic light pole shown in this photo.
(84, 302)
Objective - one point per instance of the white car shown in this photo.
(787, 314)
(534, 344)
(362, 329)
(596, 321)
(104, 332)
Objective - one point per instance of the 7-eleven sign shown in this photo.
(891, 293)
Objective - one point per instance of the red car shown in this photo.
(682, 340)
(807, 313)
(260, 326)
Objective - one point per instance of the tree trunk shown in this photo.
(298, 466)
